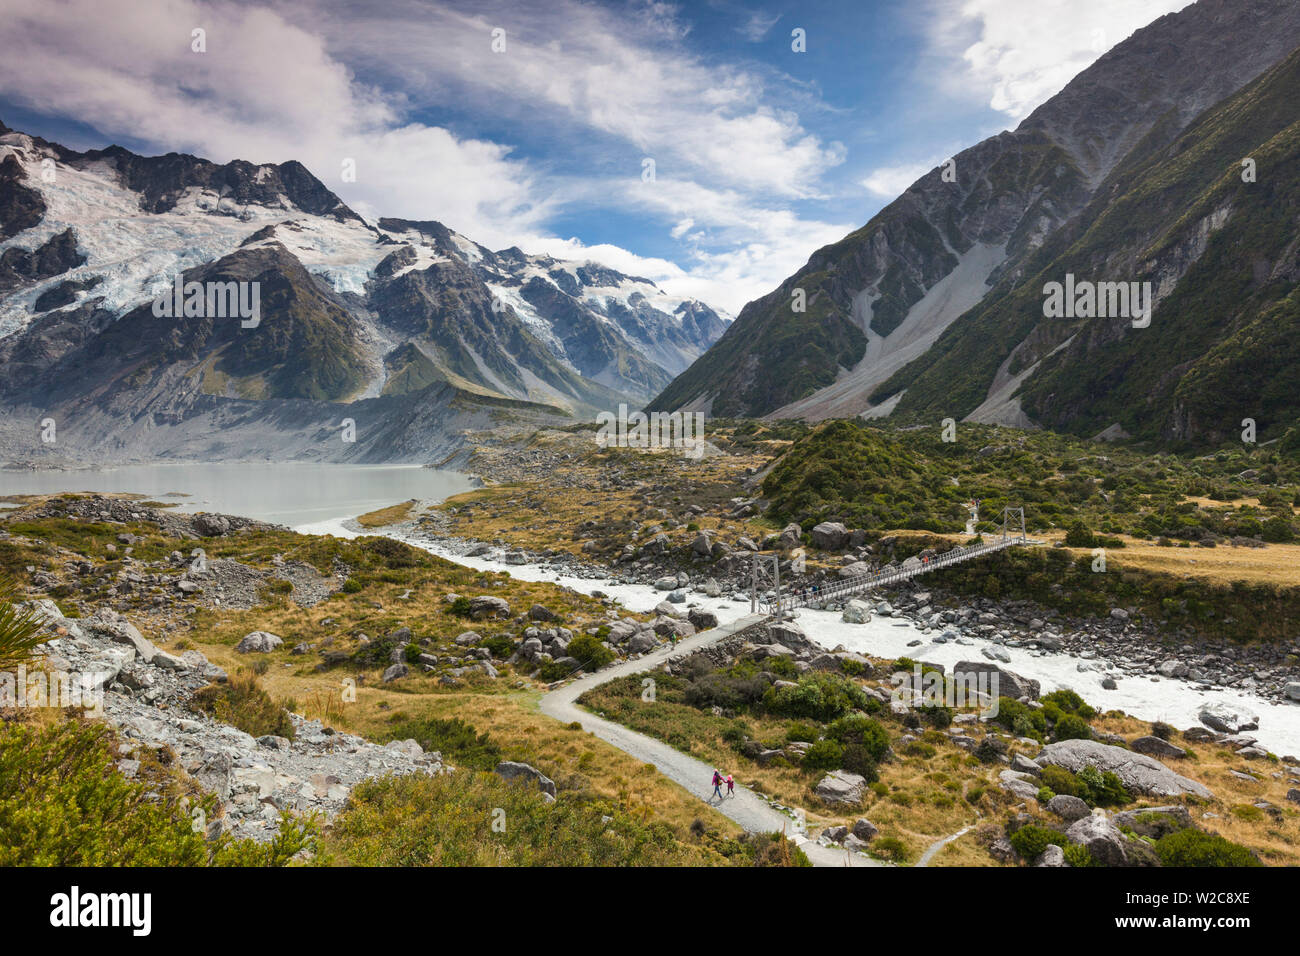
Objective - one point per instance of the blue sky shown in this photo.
(761, 154)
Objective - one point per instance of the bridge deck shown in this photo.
(858, 584)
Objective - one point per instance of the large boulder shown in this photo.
(855, 570)
(1157, 747)
(1104, 841)
(830, 535)
(787, 635)
(1138, 772)
(702, 619)
(1000, 681)
(488, 606)
(1227, 719)
(540, 612)
(856, 612)
(841, 787)
(1021, 785)
(109, 622)
(1067, 807)
(790, 537)
(511, 770)
(258, 642)
(702, 545)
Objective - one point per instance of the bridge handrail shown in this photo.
(863, 582)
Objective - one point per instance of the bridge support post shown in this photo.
(765, 574)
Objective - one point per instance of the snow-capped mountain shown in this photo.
(398, 315)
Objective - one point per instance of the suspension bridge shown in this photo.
(767, 596)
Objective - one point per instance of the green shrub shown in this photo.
(800, 731)
(1104, 787)
(1031, 840)
(1078, 855)
(1192, 847)
(1070, 702)
(241, 702)
(824, 755)
(889, 848)
(820, 696)
(936, 715)
(459, 607)
(1061, 781)
(1072, 727)
(412, 652)
(865, 732)
(64, 803)
(498, 646)
(1019, 718)
(454, 738)
(589, 649)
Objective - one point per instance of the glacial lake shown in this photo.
(297, 494)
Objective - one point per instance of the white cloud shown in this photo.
(283, 83)
(755, 28)
(1028, 50)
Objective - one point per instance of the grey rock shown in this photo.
(1157, 747)
(841, 787)
(258, 642)
(512, 770)
(1067, 807)
(1138, 772)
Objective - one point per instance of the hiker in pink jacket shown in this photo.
(731, 785)
(717, 784)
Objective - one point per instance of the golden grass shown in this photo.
(383, 517)
(1271, 564)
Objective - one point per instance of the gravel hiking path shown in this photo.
(746, 807)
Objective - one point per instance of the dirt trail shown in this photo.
(746, 808)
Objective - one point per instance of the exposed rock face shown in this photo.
(145, 692)
(939, 258)
(1138, 772)
(55, 257)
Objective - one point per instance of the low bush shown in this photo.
(243, 703)
(1031, 840)
(1192, 847)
